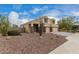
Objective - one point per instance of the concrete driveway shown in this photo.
(63, 33)
(69, 47)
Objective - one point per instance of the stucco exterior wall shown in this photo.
(47, 25)
(47, 29)
(26, 26)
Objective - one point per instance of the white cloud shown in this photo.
(23, 21)
(53, 13)
(23, 13)
(36, 10)
(44, 8)
(75, 13)
(14, 19)
(53, 18)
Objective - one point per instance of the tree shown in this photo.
(4, 25)
(41, 28)
(66, 23)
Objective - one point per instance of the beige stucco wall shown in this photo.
(26, 26)
(47, 25)
(47, 29)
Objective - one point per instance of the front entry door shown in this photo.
(35, 27)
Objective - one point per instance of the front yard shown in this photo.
(31, 43)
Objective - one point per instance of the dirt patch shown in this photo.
(30, 43)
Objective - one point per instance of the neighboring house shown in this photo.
(47, 24)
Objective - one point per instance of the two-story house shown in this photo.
(48, 25)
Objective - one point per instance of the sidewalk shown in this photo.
(70, 47)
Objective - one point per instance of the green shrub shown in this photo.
(4, 25)
(13, 32)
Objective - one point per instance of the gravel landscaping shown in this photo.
(30, 43)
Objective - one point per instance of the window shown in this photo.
(53, 21)
(46, 20)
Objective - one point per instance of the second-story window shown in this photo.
(53, 21)
(46, 20)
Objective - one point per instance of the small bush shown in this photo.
(13, 32)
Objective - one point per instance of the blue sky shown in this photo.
(36, 10)
(33, 11)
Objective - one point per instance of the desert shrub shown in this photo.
(13, 32)
(75, 28)
(66, 23)
(4, 25)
